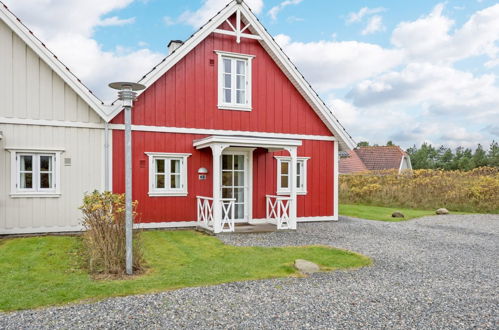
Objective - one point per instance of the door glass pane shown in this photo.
(227, 179)
(284, 181)
(26, 163)
(26, 180)
(284, 168)
(239, 179)
(239, 211)
(46, 180)
(45, 163)
(175, 181)
(226, 192)
(227, 162)
(227, 65)
(160, 166)
(241, 67)
(239, 162)
(239, 195)
(160, 181)
(175, 166)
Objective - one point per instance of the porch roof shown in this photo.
(246, 141)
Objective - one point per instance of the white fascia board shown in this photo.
(36, 45)
(245, 142)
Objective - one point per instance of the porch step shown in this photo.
(246, 228)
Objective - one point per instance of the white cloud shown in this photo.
(67, 28)
(168, 21)
(340, 63)
(375, 24)
(274, 11)
(116, 21)
(209, 8)
(430, 38)
(363, 12)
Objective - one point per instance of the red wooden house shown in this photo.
(227, 131)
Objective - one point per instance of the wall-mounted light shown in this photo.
(202, 173)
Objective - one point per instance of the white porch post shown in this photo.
(292, 181)
(217, 150)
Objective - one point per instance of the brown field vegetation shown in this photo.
(466, 191)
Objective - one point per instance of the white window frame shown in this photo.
(233, 105)
(302, 190)
(160, 192)
(15, 161)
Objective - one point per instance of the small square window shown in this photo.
(283, 175)
(168, 174)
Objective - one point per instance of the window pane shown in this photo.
(241, 67)
(241, 82)
(227, 96)
(160, 181)
(175, 166)
(26, 163)
(298, 168)
(284, 181)
(227, 81)
(160, 166)
(241, 97)
(227, 65)
(239, 195)
(227, 162)
(239, 179)
(284, 168)
(46, 180)
(239, 162)
(239, 211)
(175, 181)
(45, 163)
(298, 182)
(227, 193)
(26, 180)
(227, 179)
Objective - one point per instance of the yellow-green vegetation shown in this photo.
(472, 191)
(42, 271)
(381, 213)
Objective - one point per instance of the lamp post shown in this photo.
(127, 94)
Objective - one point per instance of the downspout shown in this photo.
(106, 157)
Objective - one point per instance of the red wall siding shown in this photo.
(318, 201)
(186, 96)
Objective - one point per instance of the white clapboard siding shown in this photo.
(29, 89)
(32, 95)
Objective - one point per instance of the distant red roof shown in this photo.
(372, 159)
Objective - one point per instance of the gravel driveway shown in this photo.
(435, 272)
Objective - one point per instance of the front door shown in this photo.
(235, 169)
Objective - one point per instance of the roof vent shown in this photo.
(173, 45)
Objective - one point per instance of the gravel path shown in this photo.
(435, 272)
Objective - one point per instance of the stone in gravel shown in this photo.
(442, 211)
(306, 266)
(398, 214)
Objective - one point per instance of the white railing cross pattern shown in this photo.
(278, 211)
(206, 219)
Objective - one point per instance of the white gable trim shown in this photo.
(272, 48)
(49, 58)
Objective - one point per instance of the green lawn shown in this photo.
(381, 213)
(42, 271)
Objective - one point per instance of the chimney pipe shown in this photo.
(173, 45)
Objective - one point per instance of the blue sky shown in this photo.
(408, 71)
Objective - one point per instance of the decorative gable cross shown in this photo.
(238, 30)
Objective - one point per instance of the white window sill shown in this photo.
(234, 107)
(289, 193)
(35, 195)
(167, 194)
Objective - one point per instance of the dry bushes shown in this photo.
(471, 191)
(104, 238)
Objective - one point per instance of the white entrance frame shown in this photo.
(219, 143)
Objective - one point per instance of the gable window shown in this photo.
(284, 172)
(234, 81)
(35, 173)
(167, 174)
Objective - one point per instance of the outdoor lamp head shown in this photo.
(127, 91)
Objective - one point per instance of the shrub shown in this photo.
(472, 191)
(104, 238)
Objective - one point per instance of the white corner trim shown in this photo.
(336, 183)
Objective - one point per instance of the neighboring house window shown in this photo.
(35, 173)
(284, 172)
(234, 81)
(167, 174)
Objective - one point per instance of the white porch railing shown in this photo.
(278, 208)
(206, 219)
